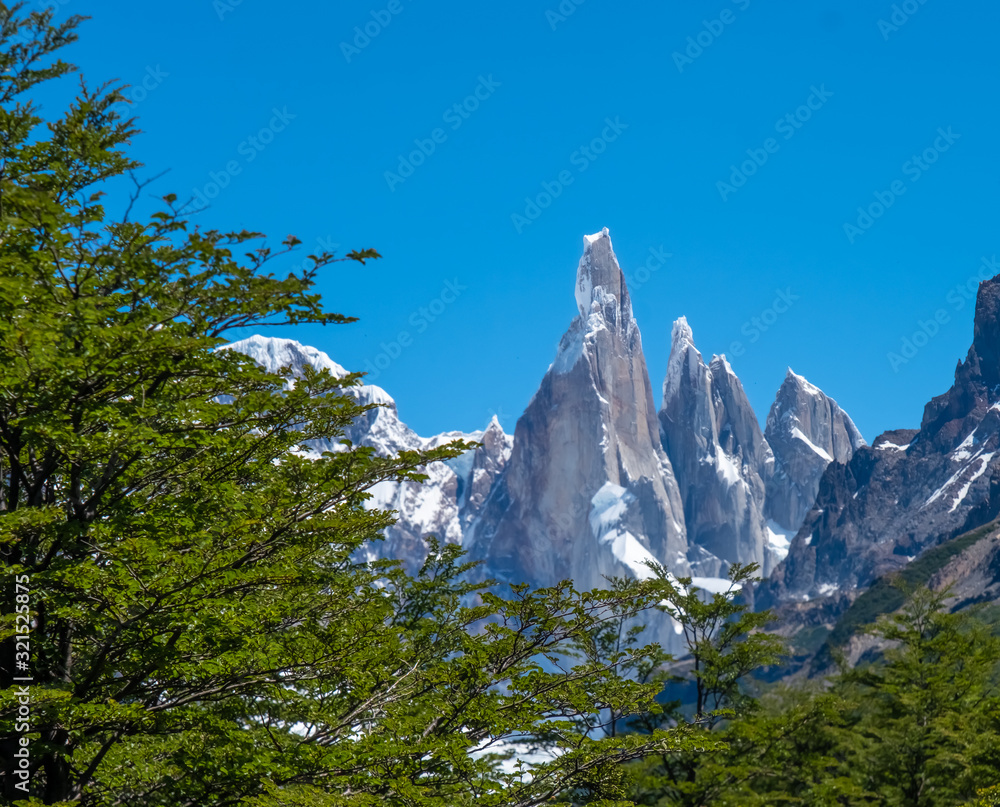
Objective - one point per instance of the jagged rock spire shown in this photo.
(807, 430)
(588, 490)
(720, 457)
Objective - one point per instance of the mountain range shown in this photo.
(595, 481)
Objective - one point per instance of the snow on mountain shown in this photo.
(912, 489)
(594, 482)
(719, 456)
(588, 490)
(273, 354)
(454, 491)
(807, 431)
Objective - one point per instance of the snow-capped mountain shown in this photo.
(912, 488)
(719, 454)
(454, 492)
(807, 431)
(745, 492)
(588, 491)
(594, 482)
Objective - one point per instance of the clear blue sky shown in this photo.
(216, 71)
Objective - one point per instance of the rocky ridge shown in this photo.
(595, 482)
(588, 491)
(911, 489)
(454, 492)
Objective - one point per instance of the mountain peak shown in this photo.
(685, 359)
(681, 332)
(797, 394)
(913, 489)
(588, 240)
(590, 430)
(986, 339)
(719, 361)
(715, 446)
(273, 353)
(801, 382)
(599, 279)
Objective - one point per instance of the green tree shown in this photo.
(918, 727)
(987, 797)
(926, 718)
(789, 750)
(724, 639)
(615, 642)
(202, 630)
(725, 644)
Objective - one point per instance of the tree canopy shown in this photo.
(203, 627)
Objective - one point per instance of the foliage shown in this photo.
(926, 719)
(206, 629)
(920, 727)
(987, 797)
(725, 645)
(724, 638)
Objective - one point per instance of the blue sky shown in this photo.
(640, 117)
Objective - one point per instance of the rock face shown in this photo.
(745, 493)
(720, 457)
(454, 491)
(806, 431)
(912, 488)
(478, 471)
(594, 482)
(973, 575)
(588, 490)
